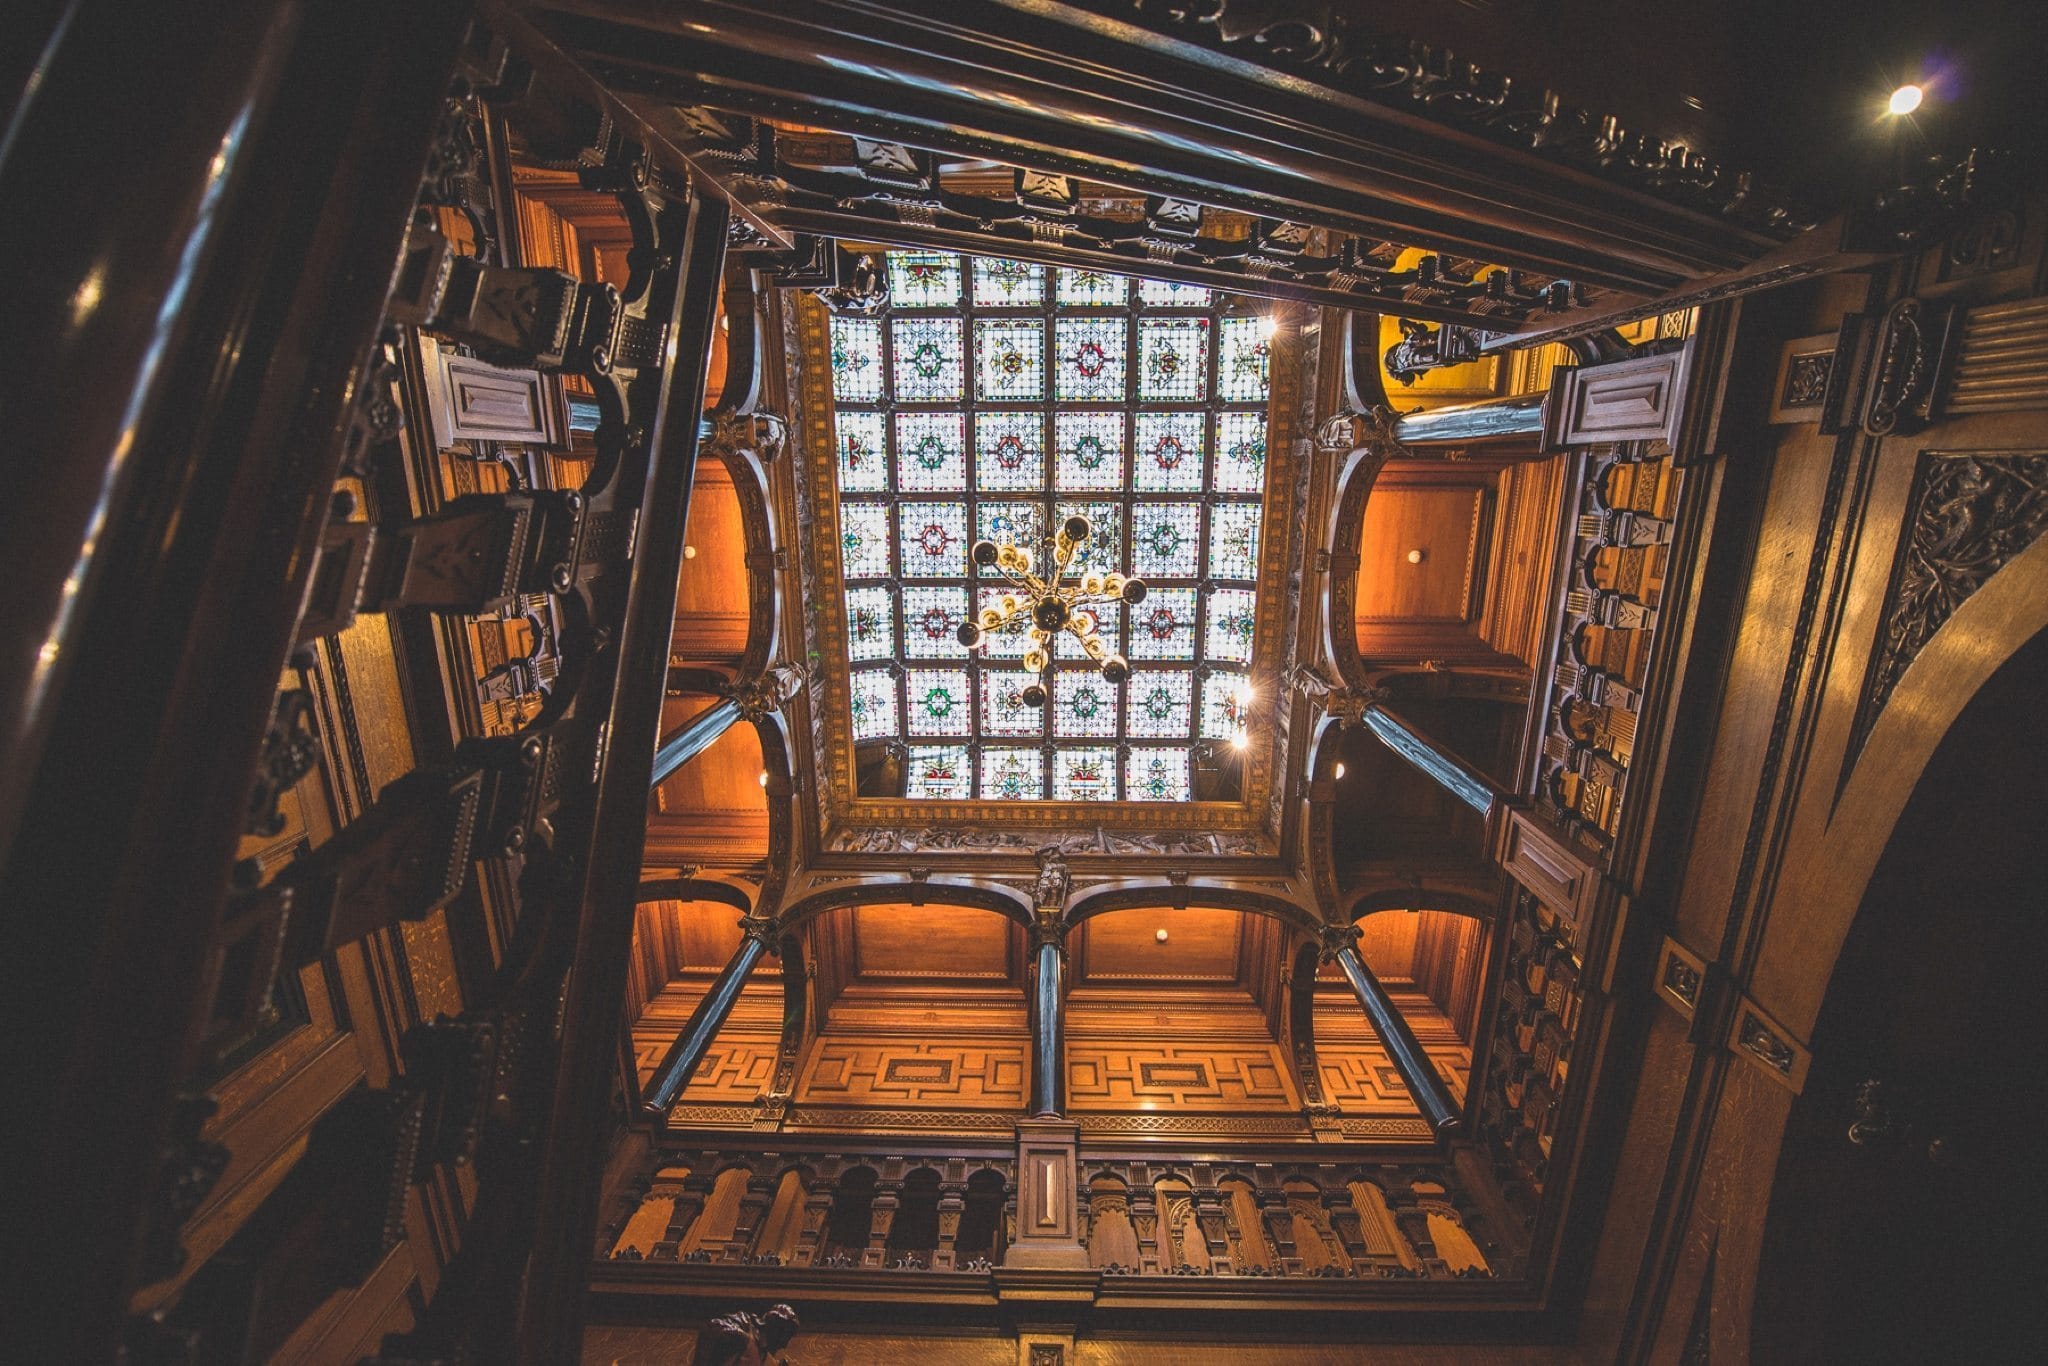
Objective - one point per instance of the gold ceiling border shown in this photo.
(825, 625)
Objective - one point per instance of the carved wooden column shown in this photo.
(881, 1217)
(817, 1212)
(680, 1062)
(1145, 1227)
(747, 1224)
(696, 1189)
(1048, 1024)
(1343, 1219)
(952, 1204)
(1214, 1223)
(698, 734)
(1340, 943)
(1431, 758)
(1279, 1221)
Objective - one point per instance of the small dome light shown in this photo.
(1904, 100)
(1340, 771)
(1269, 325)
(1240, 741)
(689, 552)
(1160, 935)
(764, 777)
(1415, 557)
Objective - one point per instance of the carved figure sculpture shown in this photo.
(744, 1339)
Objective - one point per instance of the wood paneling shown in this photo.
(1202, 945)
(1447, 526)
(984, 1075)
(711, 595)
(1178, 1076)
(712, 809)
(1357, 1075)
(931, 941)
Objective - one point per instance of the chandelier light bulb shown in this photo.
(969, 635)
(1034, 696)
(1035, 660)
(1240, 740)
(1083, 622)
(1091, 582)
(985, 553)
(1269, 325)
(1076, 527)
(1116, 668)
(1132, 591)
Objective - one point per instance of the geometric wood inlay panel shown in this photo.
(915, 1071)
(1194, 1075)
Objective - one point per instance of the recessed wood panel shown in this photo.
(1202, 945)
(1445, 524)
(1171, 1076)
(983, 1074)
(711, 595)
(930, 941)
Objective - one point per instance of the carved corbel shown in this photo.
(1049, 893)
(760, 434)
(769, 692)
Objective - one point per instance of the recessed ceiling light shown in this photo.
(1160, 935)
(1904, 100)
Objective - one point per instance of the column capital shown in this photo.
(1336, 939)
(761, 928)
(765, 692)
(1048, 928)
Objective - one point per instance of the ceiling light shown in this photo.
(689, 552)
(1904, 100)
(1043, 606)
(1340, 771)
(1269, 325)
(1160, 935)
(1240, 741)
(1415, 557)
(764, 777)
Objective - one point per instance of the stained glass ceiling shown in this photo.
(993, 399)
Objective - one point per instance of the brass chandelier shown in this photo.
(1045, 605)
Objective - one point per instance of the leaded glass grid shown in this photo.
(990, 399)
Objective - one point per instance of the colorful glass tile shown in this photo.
(856, 360)
(1009, 360)
(939, 773)
(935, 701)
(1003, 708)
(924, 279)
(1173, 359)
(931, 452)
(1234, 541)
(1006, 644)
(863, 457)
(1088, 452)
(1166, 540)
(1168, 454)
(873, 699)
(1163, 625)
(926, 356)
(1089, 359)
(1021, 524)
(1161, 704)
(864, 540)
(931, 623)
(1009, 452)
(1105, 547)
(1156, 774)
(933, 539)
(1007, 284)
(1092, 289)
(1012, 775)
(1084, 704)
(1084, 775)
(1167, 294)
(870, 624)
(1241, 370)
(1233, 618)
(1240, 453)
(1226, 698)
(1109, 618)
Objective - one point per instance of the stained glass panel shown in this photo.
(1163, 625)
(1105, 547)
(1240, 453)
(1241, 370)
(864, 540)
(856, 360)
(933, 537)
(1225, 699)
(1232, 620)
(1109, 618)
(1010, 644)
(1156, 774)
(863, 459)
(1167, 294)
(870, 623)
(1009, 360)
(1084, 705)
(937, 702)
(1092, 288)
(1166, 539)
(1012, 775)
(1084, 775)
(1173, 358)
(1088, 356)
(939, 773)
(1008, 284)
(1021, 524)
(931, 619)
(1003, 709)
(923, 279)
(931, 452)
(1162, 704)
(1168, 458)
(874, 704)
(925, 354)
(1009, 452)
(1089, 452)
(1234, 541)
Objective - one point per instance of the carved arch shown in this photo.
(734, 894)
(1346, 529)
(986, 896)
(782, 818)
(1134, 893)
